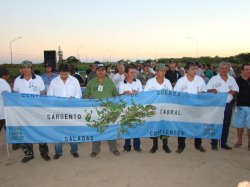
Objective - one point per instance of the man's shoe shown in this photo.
(138, 150)
(153, 149)
(93, 154)
(127, 150)
(45, 157)
(75, 155)
(179, 150)
(56, 156)
(226, 147)
(214, 147)
(166, 148)
(116, 153)
(201, 149)
(27, 159)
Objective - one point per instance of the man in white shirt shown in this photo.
(30, 83)
(223, 82)
(4, 87)
(119, 77)
(65, 85)
(194, 84)
(159, 82)
(127, 87)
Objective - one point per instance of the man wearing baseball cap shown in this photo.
(30, 83)
(98, 88)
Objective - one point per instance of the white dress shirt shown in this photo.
(71, 87)
(216, 82)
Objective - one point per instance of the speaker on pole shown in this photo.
(50, 57)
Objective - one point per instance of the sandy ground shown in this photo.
(191, 168)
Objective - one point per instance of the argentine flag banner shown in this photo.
(45, 119)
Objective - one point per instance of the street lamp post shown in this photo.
(11, 48)
(196, 43)
(154, 49)
(77, 54)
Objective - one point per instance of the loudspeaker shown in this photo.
(50, 57)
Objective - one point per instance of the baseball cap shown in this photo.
(100, 66)
(26, 63)
(160, 66)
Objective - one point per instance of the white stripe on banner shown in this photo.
(41, 119)
(36, 116)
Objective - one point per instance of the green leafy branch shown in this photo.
(119, 113)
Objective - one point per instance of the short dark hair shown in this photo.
(4, 71)
(189, 64)
(132, 65)
(64, 68)
(72, 69)
(127, 68)
(243, 65)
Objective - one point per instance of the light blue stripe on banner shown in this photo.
(52, 134)
(151, 97)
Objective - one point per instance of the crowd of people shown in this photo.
(104, 82)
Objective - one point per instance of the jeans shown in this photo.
(59, 151)
(136, 144)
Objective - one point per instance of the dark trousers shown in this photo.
(2, 124)
(163, 138)
(136, 144)
(182, 144)
(226, 125)
(28, 149)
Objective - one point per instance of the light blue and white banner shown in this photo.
(37, 119)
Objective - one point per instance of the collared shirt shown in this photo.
(97, 90)
(47, 80)
(4, 87)
(71, 87)
(117, 78)
(34, 85)
(152, 84)
(195, 86)
(126, 86)
(216, 82)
